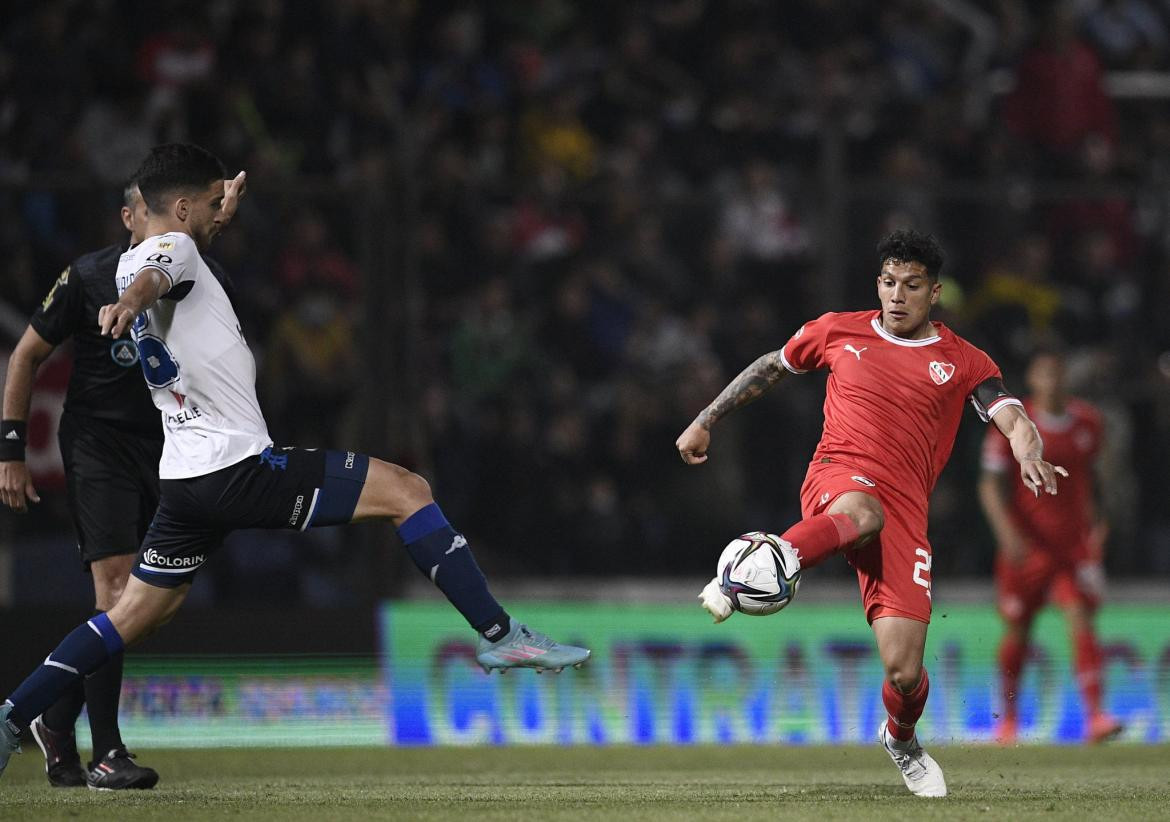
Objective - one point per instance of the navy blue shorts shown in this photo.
(280, 488)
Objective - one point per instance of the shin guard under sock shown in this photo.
(904, 710)
(444, 557)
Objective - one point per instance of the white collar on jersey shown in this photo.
(886, 335)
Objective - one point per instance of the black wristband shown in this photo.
(13, 436)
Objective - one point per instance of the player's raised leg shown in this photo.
(93, 643)
(901, 643)
(853, 519)
(443, 556)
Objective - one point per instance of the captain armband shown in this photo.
(990, 396)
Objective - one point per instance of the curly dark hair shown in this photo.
(909, 246)
(175, 166)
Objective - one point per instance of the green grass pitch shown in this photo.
(738, 783)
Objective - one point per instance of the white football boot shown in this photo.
(920, 772)
(717, 603)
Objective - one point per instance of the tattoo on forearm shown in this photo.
(752, 382)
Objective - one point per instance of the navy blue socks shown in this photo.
(445, 558)
(89, 646)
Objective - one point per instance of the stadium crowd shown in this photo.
(611, 208)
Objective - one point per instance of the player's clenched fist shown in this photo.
(692, 444)
(114, 319)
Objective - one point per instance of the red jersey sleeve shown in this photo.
(805, 351)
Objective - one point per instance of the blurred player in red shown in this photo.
(896, 391)
(1049, 549)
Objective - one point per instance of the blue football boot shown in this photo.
(525, 648)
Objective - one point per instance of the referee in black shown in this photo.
(111, 441)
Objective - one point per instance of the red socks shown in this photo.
(1087, 660)
(904, 709)
(1011, 662)
(821, 536)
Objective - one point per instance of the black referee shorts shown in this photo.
(294, 488)
(111, 480)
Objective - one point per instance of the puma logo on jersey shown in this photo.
(940, 372)
(458, 542)
(853, 350)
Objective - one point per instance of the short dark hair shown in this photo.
(128, 191)
(909, 246)
(175, 166)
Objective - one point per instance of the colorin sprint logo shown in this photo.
(158, 561)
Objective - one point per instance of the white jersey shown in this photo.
(201, 374)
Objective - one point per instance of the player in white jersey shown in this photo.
(220, 471)
(200, 371)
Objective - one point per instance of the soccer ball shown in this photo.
(759, 573)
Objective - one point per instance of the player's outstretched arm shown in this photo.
(751, 383)
(148, 288)
(1028, 449)
(16, 486)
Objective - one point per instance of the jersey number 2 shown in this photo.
(921, 566)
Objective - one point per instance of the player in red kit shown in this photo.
(1049, 549)
(896, 391)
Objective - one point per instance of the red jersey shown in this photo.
(892, 406)
(1073, 440)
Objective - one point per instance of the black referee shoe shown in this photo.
(116, 771)
(62, 761)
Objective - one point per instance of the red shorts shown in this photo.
(1024, 588)
(893, 569)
